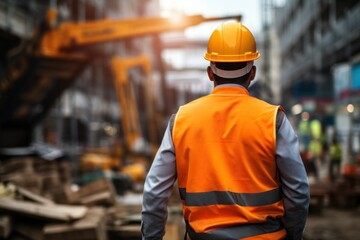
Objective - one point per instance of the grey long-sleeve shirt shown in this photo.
(295, 188)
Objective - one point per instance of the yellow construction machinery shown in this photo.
(127, 100)
(61, 41)
(136, 149)
(42, 68)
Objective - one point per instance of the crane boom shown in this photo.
(69, 35)
(126, 98)
(49, 63)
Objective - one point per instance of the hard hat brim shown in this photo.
(213, 57)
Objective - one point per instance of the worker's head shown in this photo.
(231, 52)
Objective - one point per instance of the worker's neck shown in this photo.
(230, 84)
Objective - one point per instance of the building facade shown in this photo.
(313, 37)
(319, 47)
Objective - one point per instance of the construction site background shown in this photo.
(87, 88)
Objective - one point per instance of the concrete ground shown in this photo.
(332, 223)
(340, 223)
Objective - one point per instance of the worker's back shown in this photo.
(225, 148)
(229, 152)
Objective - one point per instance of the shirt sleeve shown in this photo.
(158, 189)
(295, 186)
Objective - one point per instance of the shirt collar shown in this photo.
(230, 88)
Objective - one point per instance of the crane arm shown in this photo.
(126, 98)
(68, 35)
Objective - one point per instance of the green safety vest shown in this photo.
(335, 152)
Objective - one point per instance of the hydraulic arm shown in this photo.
(127, 100)
(42, 69)
(69, 35)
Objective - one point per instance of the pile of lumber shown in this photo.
(37, 201)
(35, 217)
(36, 174)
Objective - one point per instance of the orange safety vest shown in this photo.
(225, 155)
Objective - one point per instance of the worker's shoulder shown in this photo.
(280, 114)
(258, 101)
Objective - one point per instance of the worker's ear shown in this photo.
(251, 76)
(210, 73)
(252, 73)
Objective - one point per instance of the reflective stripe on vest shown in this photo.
(225, 154)
(239, 231)
(228, 198)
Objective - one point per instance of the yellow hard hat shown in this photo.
(231, 42)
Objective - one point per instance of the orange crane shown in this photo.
(135, 143)
(40, 72)
(127, 100)
(62, 40)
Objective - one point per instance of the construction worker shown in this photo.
(236, 158)
(335, 152)
(315, 152)
(304, 132)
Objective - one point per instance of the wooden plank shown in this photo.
(97, 186)
(31, 182)
(5, 226)
(52, 212)
(22, 164)
(98, 192)
(65, 172)
(33, 197)
(44, 166)
(91, 227)
(64, 195)
(70, 195)
(104, 197)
